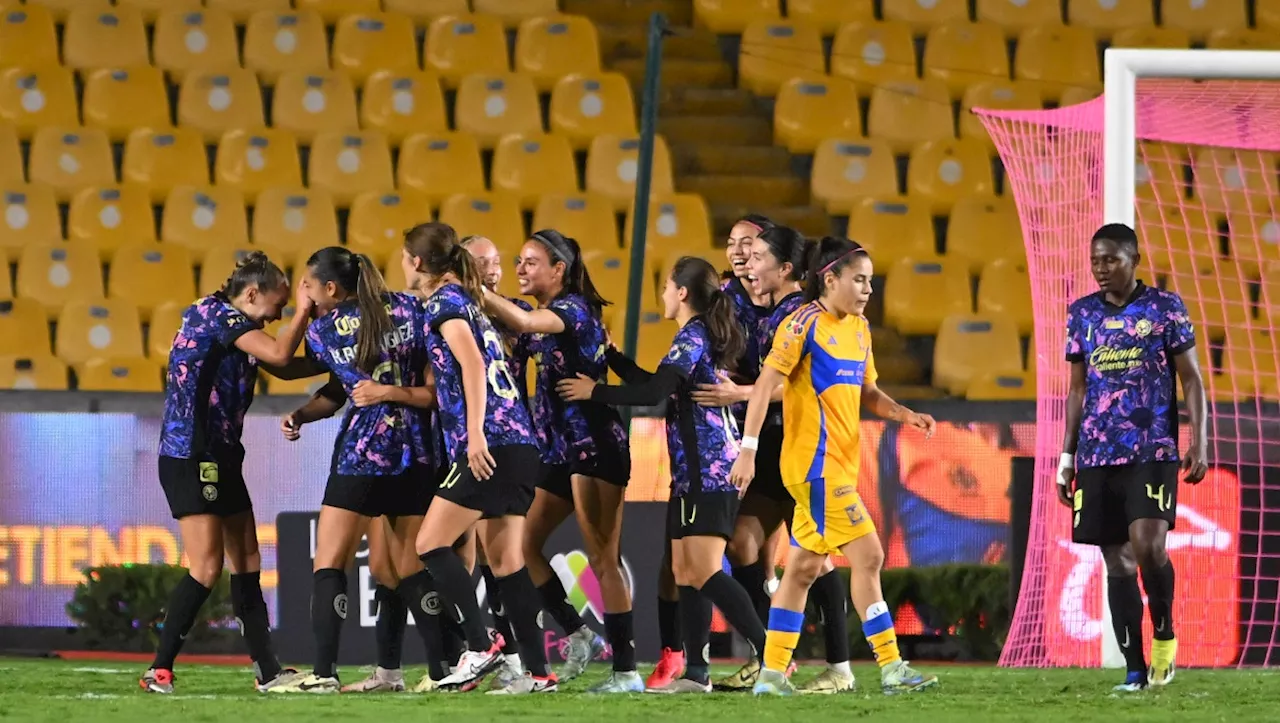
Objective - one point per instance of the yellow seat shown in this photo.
(219, 262)
(162, 160)
(513, 12)
(43, 372)
(921, 16)
(54, 274)
(973, 344)
(118, 101)
(423, 12)
(905, 114)
(773, 52)
(27, 36)
(187, 40)
(30, 217)
(1015, 16)
(152, 9)
(95, 38)
(1168, 235)
(12, 168)
(492, 106)
(24, 328)
(1005, 288)
(393, 275)
(32, 98)
(529, 165)
(584, 106)
(403, 103)
(610, 271)
(438, 165)
(1075, 95)
(364, 44)
(310, 104)
(549, 48)
(846, 171)
(587, 217)
(280, 41)
(69, 159)
(241, 11)
(1217, 296)
(806, 113)
(1234, 180)
(983, 229)
(1152, 37)
(203, 217)
(828, 15)
(1159, 172)
(920, 295)
(1252, 240)
(1107, 18)
(333, 10)
(996, 95)
(253, 161)
(493, 215)
(377, 222)
(214, 102)
(961, 54)
(1267, 14)
(987, 386)
(149, 275)
(6, 286)
(1199, 17)
(166, 321)
(874, 54)
(60, 9)
(1057, 57)
(458, 46)
(110, 217)
(679, 223)
(942, 172)
(1252, 352)
(731, 17)
(295, 221)
(893, 228)
(347, 164)
(612, 166)
(653, 342)
(103, 328)
(129, 374)
(1243, 39)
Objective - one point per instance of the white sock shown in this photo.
(513, 660)
(876, 609)
(842, 668)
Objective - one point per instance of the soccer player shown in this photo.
(822, 357)
(213, 367)
(702, 443)
(585, 453)
(1126, 344)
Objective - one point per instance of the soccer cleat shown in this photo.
(426, 685)
(382, 681)
(771, 682)
(669, 668)
(899, 677)
(472, 668)
(527, 684)
(1164, 655)
(157, 680)
(680, 686)
(1135, 681)
(629, 682)
(309, 683)
(743, 679)
(508, 673)
(828, 682)
(284, 677)
(584, 647)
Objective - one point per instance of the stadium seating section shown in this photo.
(146, 145)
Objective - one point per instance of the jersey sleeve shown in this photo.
(1075, 337)
(789, 344)
(870, 375)
(229, 325)
(1179, 332)
(444, 307)
(687, 349)
(312, 347)
(572, 313)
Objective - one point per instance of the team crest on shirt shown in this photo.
(1142, 328)
(855, 513)
(795, 327)
(210, 493)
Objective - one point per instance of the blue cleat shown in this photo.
(1134, 682)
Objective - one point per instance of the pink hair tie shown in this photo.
(839, 258)
(752, 225)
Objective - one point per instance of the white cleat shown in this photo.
(382, 681)
(526, 684)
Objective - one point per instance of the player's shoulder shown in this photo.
(1165, 299)
(521, 303)
(1085, 304)
(802, 319)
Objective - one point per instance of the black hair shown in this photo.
(565, 250)
(762, 223)
(1121, 234)
(698, 277)
(441, 252)
(356, 273)
(788, 246)
(829, 255)
(254, 269)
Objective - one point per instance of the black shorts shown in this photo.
(702, 514)
(1108, 499)
(768, 480)
(508, 492)
(613, 468)
(407, 494)
(204, 487)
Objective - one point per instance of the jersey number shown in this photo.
(500, 379)
(388, 372)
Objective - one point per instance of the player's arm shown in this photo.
(1194, 462)
(457, 334)
(744, 468)
(299, 367)
(278, 352)
(625, 367)
(1071, 435)
(323, 404)
(882, 405)
(367, 393)
(727, 392)
(536, 321)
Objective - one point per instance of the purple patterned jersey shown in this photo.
(710, 434)
(506, 418)
(751, 318)
(518, 353)
(210, 382)
(572, 431)
(383, 439)
(764, 341)
(1130, 405)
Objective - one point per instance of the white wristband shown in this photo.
(1065, 461)
(751, 443)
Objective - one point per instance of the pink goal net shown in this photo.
(1208, 215)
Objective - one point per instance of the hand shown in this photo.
(291, 427)
(576, 390)
(923, 422)
(367, 393)
(478, 457)
(1194, 464)
(1067, 477)
(722, 394)
(744, 470)
(302, 304)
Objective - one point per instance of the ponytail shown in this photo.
(253, 269)
(463, 265)
(375, 320)
(699, 279)
(577, 280)
(437, 245)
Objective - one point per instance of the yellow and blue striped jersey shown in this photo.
(826, 361)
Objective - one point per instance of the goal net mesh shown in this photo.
(1207, 199)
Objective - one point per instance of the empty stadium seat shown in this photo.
(333, 10)
(774, 52)
(971, 344)
(307, 104)
(654, 341)
(587, 217)
(513, 12)
(1267, 14)
(205, 217)
(1057, 57)
(611, 273)
(30, 216)
(961, 54)
(1076, 94)
(111, 217)
(253, 161)
(874, 54)
(1199, 17)
(808, 112)
(1253, 240)
(1107, 18)
(1015, 16)
(921, 16)
(1159, 172)
(219, 262)
(114, 38)
(1005, 288)
(98, 329)
(438, 165)
(1151, 37)
(846, 171)
(905, 114)
(377, 222)
(549, 48)
(422, 12)
(828, 15)
(241, 11)
(393, 274)
(1252, 353)
(166, 321)
(214, 102)
(403, 103)
(612, 166)
(279, 41)
(893, 228)
(1168, 234)
(296, 221)
(529, 165)
(152, 9)
(6, 285)
(920, 295)
(456, 47)
(678, 223)
(492, 106)
(1216, 295)
(131, 374)
(12, 167)
(363, 44)
(942, 172)
(43, 372)
(494, 215)
(27, 37)
(347, 164)
(584, 106)
(988, 386)
(149, 275)
(54, 274)
(60, 9)
(195, 40)
(24, 328)
(983, 229)
(118, 101)
(1243, 39)
(731, 17)
(995, 95)
(162, 160)
(1234, 180)
(32, 98)
(69, 159)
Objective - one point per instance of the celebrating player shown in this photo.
(587, 462)
(1126, 344)
(822, 358)
(213, 367)
(702, 442)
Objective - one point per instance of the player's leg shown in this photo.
(672, 661)
(759, 518)
(786, 618)
(388, 630)
(503, 540)
(240, 541)
(512, 666)
(446, 521)
(1152, 508)
(769, 557)
(202, 541)
(701, 564)
(417, 595)
(830, 596)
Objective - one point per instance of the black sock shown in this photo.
(727, 594)
(1125, 601)
(328, 612)
(501, 623)
(454, 585)
(831, 595)
(251, 611)
(455, 639)
(180, 615)
(1159, 585)
(388, 631)
(618, 631)
(752, 579)
(418, 595)
(669, 623)
(556, 601)
(695, 627)
(524, 608)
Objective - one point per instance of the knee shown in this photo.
(1119, 562)
(742, 549)
(803, 574)
(869, 562)
(206, 571)
(1150, 552)
(603, 560)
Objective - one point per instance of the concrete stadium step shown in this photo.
(718, 130)
(630, 12)
(677, 72)
(808, 220)
(693, 159)
(695, 101)
(619, 42)
(747, 191)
